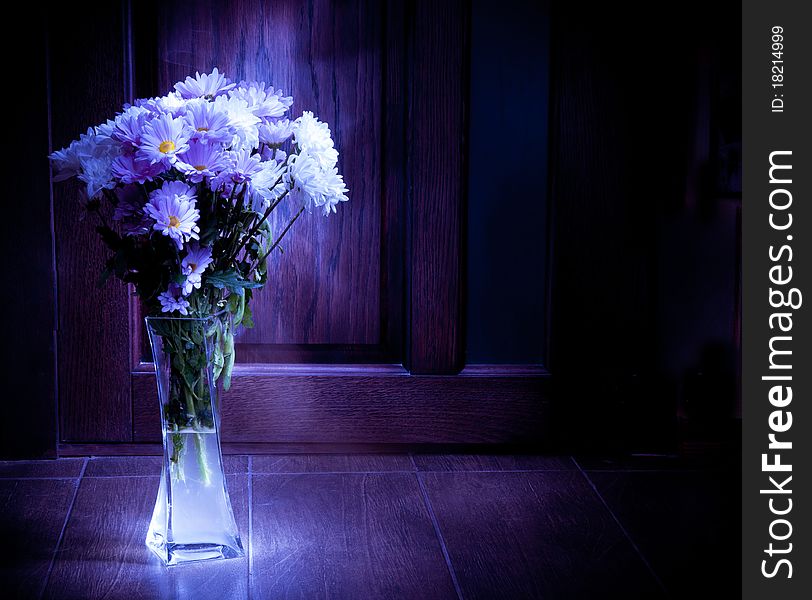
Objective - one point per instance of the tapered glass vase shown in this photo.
(192, 519)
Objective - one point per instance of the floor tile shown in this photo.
(140, 466)
(492, 462)
(332, 463)
(648, 462)
(63, 467)
(687, 525)
(103, 553)
(534, 535)
(345, 536)
(32, 514)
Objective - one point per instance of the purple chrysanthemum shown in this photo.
(201, 161)
(128, 169)
(173, 209)
(208, 122)
(163, 139)
(171, 300)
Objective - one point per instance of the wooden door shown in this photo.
(360, 331)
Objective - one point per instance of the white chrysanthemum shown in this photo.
(264, 103)
(275, 133)
(97, 173)
(68, 161)
(304, 179)
(313, 186)
(173, 103)
(335, 190)
(266, 185)
(193, 265)
(244, 122)
(173, 209)
(204, 86)
(313, 137)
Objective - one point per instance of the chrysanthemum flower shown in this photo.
(201, 161)
(171, 300)
(173, 209)
(313, 136)
(240, 117)
(129, 170)
(264, 103)
(129, 125)
(264, 188)
(241, 167)
(204, 86)
(68, 161)
(97, 174)
(313, 186)
(275, 133)
(196, 261)
(335, 190)
(209, 122)
(163, 138)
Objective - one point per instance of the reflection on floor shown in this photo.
(384, 526)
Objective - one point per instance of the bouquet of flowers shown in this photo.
(182, 186)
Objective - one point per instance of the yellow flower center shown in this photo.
(193, 266)
(167, 146)
(202, 128)
(200, 167)
(174, 221)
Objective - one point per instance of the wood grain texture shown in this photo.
(437, 138)
(103, 553)
(492, 462)
(88, 86)
(345, 536)
(331, 463)
(534, 535)
(32, 514)
(380, 408)
(687, 525)
(326, 287)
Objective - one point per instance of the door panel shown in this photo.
(325, 292)
(87, 85)
(359, 335)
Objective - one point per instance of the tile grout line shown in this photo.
(250, 525)
(437, 531)
(622, 528)
(68, 514)
(415, 470)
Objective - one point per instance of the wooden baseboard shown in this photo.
(67, 450)
(378, 404)
(355, 408)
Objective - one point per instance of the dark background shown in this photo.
(600, 226)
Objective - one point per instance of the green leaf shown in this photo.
(228, 355)
(248, 317)
(231, 280)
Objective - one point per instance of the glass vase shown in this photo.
(192, 519)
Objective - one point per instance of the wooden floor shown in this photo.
(383, 526)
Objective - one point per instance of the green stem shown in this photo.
(253, 231)
(279, 239)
